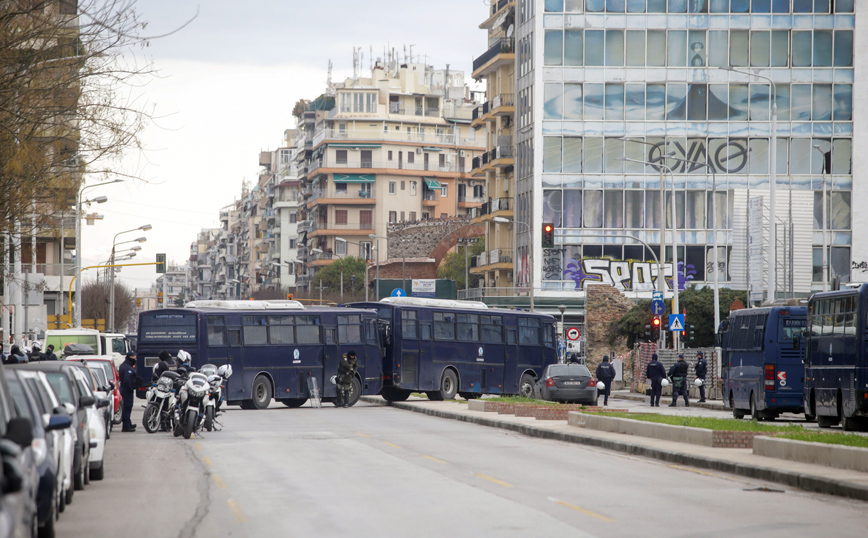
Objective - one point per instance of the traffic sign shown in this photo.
(658, 307)
(656, 295)
(398, 292)
(573, 333)
(676, 322)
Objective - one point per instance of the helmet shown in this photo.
(601, 385)
(225, 370)
(698, 382)
(664, 382)
(183, 356)
(333, 380)
(36, 346)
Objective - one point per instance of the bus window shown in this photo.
(528, 331)
(350, 329)
(510, 336)
(255, 330)
(234, 337)
(371, 331)
(329, 336)
(280, 330)
(548, 335)
(492, 329)
(216, 331)
(307, 329)
(410, 324)
(444, 326)
(789, 327)
(426, 331)
(468, 327)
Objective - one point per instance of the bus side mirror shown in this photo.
(797, 340)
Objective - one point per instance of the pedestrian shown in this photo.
(15, 356)
(49, 355)
(574, 359)
(36, 353)
(701, 368)
(128, 387)
(167, 363)
(346, 372)
(655, 371)
(678, 373)
(606, 374)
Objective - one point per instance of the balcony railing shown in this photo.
(429, 196)
(396, 165)
(504, 99)
(348, 226)
(380, 135)
(502, 45)
(349, 194)
(471, 199)
(500, 255)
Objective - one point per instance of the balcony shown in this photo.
(349, 194)
(501, 50)
(317, 226)
(395, 165)
(501, 157)
(468, 200)
(378, 135)
(503, 105)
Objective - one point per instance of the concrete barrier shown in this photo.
(842, 457)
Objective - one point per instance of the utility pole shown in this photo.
(320, 288)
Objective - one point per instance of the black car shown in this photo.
(18, 479)
(567, 383)
(47, 497)
(60, 376)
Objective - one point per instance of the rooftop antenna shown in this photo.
(411, 52)
(355, 63)
(329, 87)
(371, 56)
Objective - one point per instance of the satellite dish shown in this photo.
(510, 30)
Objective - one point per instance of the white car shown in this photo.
(95, 422)
(64, 442)
(103, 390)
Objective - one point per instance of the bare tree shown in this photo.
(95, 302)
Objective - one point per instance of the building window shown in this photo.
(366, 219)
(442, 161)
(341, 156)
(390, 155)
(411, 157)
(341, 248)
(412, 216)
(444, 190)
(293, 218)
(365, 250)
(393, 217)
(392, 186)
(403, 185)
(413, 185)
(292, 243)
(340, 216)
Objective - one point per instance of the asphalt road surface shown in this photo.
(378, 471)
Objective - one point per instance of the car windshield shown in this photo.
(569, 369)
(99, 373)
(84, 382)
(62, 388)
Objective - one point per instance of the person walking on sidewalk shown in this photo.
(701, 368)
(606, 374)
(655, 371)
(678, 373)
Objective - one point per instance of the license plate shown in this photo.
(572, 382)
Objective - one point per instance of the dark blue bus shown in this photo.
(275, 347)
(836, 365)
(762, 357)
(444, 347)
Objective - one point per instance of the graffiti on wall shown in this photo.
(625, 275)
(862, 266)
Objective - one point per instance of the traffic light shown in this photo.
(161, 263)
(648, 332)
(138, 301)
(690, 334)
(655, 328)
(289, 296)
(160, 297)
(548, 235)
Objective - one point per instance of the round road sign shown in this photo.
(573, 333)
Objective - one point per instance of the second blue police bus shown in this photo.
(444, 347)
(276, 348)
(762, 356)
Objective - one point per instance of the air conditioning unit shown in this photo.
(462, 153)
(419, 150)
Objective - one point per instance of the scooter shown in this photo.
(160, 410)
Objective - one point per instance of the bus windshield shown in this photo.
(789, 327)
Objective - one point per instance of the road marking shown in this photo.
(496, 481)
(239, 514)
(583, 511)
(362, 434)
(393, 445)
(198, 446)
(207, 461)
(706, 473)
(218, 481)
(432, 458)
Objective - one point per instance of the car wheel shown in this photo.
(116, 418)
(61, 502)
(79, 476)
(753, 413)
(67, 497)
(292, 403)
(261, 392)
(97, 473)
(527, 387)
(850, 424)
(469, 395)
(355, 392)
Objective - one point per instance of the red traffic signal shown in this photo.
(548, 235)
(656, 322)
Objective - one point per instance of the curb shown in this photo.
(810, 483)
(668, 399)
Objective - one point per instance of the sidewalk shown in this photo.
(741, 462)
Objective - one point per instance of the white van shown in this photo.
(116, 345)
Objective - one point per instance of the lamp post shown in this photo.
(377, 238)
(563, 308)
(504, 220)
(78, 202)
(342, 266)
(773, 165)
(825, 259)
(144, 228)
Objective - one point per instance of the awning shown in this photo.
(430, 148)
(354, 178)
(431, 183)
(353, 145)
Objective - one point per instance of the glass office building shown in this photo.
(605, 86)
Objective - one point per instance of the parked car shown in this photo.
(64, 446)
(46, 457)
(18, 478)
(567, 383)
(62, 378)
(111, 372)
(103, 388)
(96, 420)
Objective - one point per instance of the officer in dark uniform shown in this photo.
(655, 371)
(606, 374)
(49, 353)
(678, 373)
(36, 353)
(167, 362)
(701, 368)
(128, 387)
(346, 370)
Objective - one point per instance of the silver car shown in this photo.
(567, 383)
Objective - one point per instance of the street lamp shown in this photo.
(504, 220)
(825, 248)
(563, 308)
(342, 264)
(773, 165)
(144, 228)
(78, 202)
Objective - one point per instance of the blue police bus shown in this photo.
(836, 363)
(762, 355)
(444, 347)
(275, 347)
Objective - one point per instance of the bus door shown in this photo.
(218, 352)
(372, 376)
(510, 361)
(790, 369)
(331, 359)
(492, 361)
(529, 344)
(351, 337)
(408, 352)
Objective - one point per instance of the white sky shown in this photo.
(227, 85)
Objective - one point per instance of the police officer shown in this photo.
(36, 353)
(346, 370)
(701, 368)
(655, 371)
(49, 353)
(128, 387)
(606, 374)
(167, 362)
(678, 373)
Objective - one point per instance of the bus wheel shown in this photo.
(261, 392)
(448, 387)
(527, 387)
(395, 395)
(850, 424)
(737, 414)
(355, 392)
(753, 413)
(292, 403)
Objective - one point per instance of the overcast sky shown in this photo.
(228, 82)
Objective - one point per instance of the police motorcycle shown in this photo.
(192, 401)
(160, 409)
(216, 378)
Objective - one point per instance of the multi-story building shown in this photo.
(393, 147)
(605, 88)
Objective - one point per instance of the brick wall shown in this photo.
(604, 304)
(734, 439)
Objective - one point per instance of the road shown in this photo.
(378, 471)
